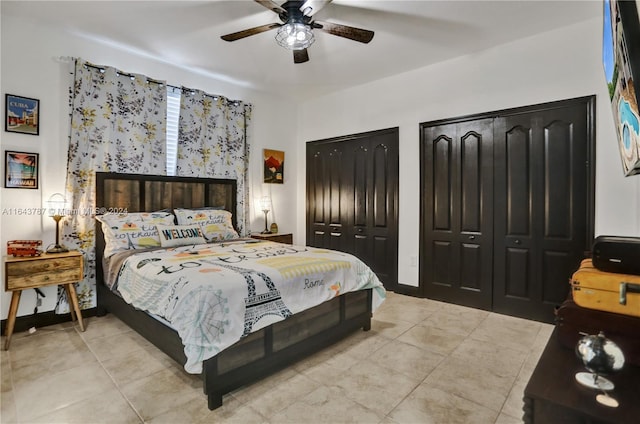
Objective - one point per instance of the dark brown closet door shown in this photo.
(372, 202)
(541, 208)
(326, 195)
(352, 198)
(457, 185)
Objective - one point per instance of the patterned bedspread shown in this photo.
(214, 294)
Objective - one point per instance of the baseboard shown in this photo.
(408, 290)
(43, 319)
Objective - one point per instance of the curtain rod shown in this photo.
(70, 59)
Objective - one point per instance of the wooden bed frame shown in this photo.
(255, 356)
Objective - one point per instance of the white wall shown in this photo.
(29, 69)
(557, 65)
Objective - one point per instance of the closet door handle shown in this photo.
(517, 241)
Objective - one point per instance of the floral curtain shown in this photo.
(213, 142)
(118, 124)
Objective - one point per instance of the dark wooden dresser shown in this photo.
(553, 395)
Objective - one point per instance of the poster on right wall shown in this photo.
(621, 59)
(273, 166)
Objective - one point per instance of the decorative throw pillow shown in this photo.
(216, 224)
(132, 230)
(180, 235)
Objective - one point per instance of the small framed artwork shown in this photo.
(273, 166)
(22, 115)
(21, 170)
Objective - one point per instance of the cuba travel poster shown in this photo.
(22, 115)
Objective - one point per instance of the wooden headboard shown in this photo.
(148, 193)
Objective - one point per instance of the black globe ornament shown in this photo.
(600, 356)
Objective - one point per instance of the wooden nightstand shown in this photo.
(38, 271)
(277, 237)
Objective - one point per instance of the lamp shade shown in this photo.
(265, 203)
(57, 205)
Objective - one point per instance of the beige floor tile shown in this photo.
(398, 312)
(362, 344)
(325, 405)
(376, 387)
(506, 419)
(257, 389)
(499, 360)
(57, 390)
(107, 325)
(117, 345)
(162, 391)
(429, 405)
(5, 372)
(506, 331)
(284, 394)
(330, 370)
(407, 359)
(8, 413)
(135, 365)
(467, 380)
(390, 329)
(514, 403)
(196, 411)
(108, 407)
(433, 339)
(456, 320)
(48, 352)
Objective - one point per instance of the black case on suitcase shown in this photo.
(617, 254)
(624, 330)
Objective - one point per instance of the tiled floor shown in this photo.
(422, 362)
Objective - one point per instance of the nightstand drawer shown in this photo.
(27, 281)
(37, 273)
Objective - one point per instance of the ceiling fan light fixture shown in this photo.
(295, 36)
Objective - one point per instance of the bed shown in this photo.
(259, 351)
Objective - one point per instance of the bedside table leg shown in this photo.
(72, 309)
(11, 321)
(73, 299)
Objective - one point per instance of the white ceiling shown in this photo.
(408, 35)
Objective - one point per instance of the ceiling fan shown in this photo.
(295, 32)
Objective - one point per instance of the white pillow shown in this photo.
(180, 235)
(132, 230)
(216, 224)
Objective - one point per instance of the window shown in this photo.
(173, 116)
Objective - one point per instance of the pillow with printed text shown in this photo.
(180, 235)
(216, 224)
(132, 230)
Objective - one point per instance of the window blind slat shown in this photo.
(173, 115)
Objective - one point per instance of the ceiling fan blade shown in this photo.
(311, 7)
(251, 31)
(352, 33)
(300, 56)
(271, 6)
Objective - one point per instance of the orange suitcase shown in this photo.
(606, 291)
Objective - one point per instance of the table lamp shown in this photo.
(57, 206)
(265, 204)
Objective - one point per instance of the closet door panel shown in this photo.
(457, 235)
(358, 189)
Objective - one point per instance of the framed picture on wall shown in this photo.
(621, 58)
(21, 170)
(273, 166)
(21, 115)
